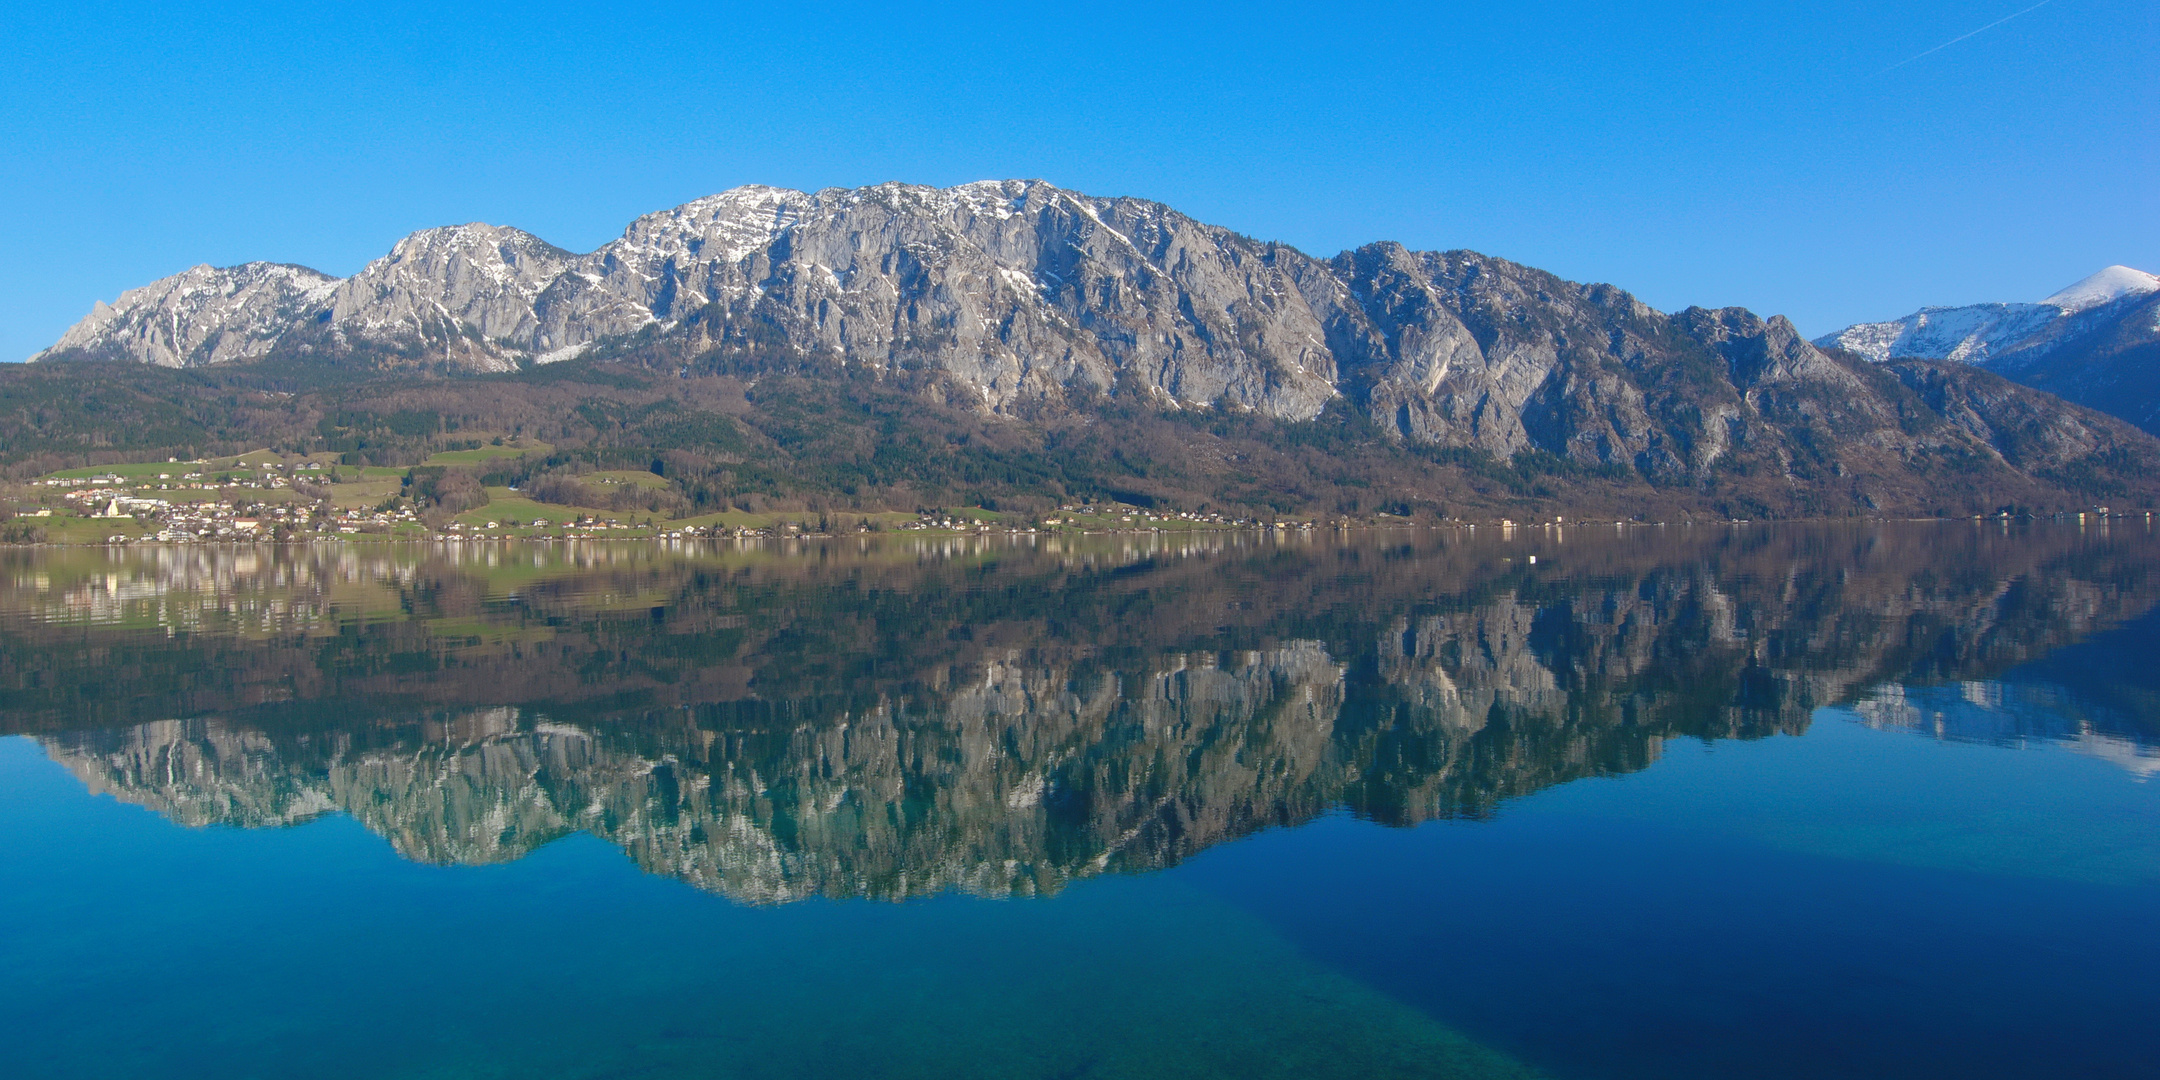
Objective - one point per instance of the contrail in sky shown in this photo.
(1961, 37)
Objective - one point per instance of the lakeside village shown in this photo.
(265, 497)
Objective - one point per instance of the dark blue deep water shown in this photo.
(1856, 801)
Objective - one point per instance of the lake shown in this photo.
(1708, 801)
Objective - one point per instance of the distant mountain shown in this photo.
(2096, 343)
(1024, 302)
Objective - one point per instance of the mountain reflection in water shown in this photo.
(898, 718)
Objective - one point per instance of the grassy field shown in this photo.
(369, 493)
(618, 477)
(74, 530)
(506, 507)
(255, 459)
(488, 453)
(148, 470)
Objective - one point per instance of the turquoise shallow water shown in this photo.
(1821, 803)
(135, 948)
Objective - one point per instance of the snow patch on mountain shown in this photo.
(1981, 333)
(1971, 334)
(2106, 287)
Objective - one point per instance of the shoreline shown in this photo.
(1303, 528)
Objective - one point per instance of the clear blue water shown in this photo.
(1655, 809)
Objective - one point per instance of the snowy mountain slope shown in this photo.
(2105, 287)
(2091, 342)
(1981, 333)
(1971, 334)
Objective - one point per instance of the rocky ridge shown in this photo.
(1020, 299)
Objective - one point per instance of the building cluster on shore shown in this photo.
(310, 501)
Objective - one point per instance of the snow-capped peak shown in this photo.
(2105, 287)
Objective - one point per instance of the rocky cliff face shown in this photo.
(455, 294)
(1459, 349)
(1015, 290)
(1017, 297)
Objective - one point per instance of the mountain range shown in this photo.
(2096, 343)
(1029, 307)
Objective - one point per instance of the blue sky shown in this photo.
(1693, 153)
